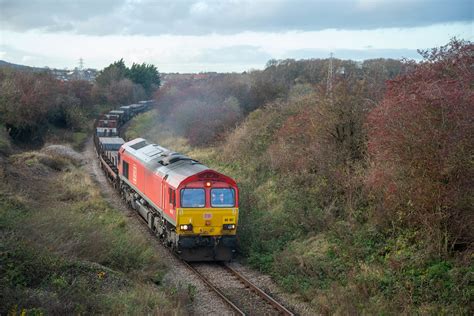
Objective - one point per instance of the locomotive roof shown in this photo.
(173, 166)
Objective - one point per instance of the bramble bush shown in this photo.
(420, 144)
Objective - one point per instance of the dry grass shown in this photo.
(67, 251)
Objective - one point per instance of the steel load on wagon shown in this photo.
(110, 143)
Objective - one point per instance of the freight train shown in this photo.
(190, 207)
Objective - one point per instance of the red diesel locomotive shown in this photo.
(192, 208)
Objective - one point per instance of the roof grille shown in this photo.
(139, 145)
(168, 160)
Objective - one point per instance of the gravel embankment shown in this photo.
(248, 301)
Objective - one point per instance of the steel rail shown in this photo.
(214, 289)
(282, 309)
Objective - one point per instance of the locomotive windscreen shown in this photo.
(222, 197)
(193, 198)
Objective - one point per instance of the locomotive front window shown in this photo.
(222, 197)
(193, 198)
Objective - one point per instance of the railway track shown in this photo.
(236, 291)
(240, 294)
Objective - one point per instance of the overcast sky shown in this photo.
(224, 36)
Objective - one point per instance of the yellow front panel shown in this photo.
(207, 221)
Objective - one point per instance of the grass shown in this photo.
(76, 139)
(65, 251)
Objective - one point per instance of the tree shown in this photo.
(146, 75)
(82, 90)
(112, 73)
(421, 140)
(26, 99)
(120, 92)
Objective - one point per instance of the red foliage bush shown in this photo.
(421, 145)
(30, 101)
(25, 101)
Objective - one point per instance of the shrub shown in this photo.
(420, 137)
(5, 144)
(29, 101)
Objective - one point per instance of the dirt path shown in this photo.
(205, 302)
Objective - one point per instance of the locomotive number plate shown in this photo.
(207, 215)
(229, 220)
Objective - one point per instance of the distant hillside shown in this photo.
(17, 66)
(61, 74)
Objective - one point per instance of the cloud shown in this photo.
(52, 15)
(354, 54)
(31, 58)
(193, 17)
(239, 54)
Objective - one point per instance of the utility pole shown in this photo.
(81, 64)
(80, 70)
(330, 76)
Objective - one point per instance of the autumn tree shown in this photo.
(421, 140)
(124, 92)
(81, 90)
(25, 101)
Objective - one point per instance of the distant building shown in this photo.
(76, 74)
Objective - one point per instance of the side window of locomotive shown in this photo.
(125, 169)
(193, 198)
(172, 196)
(222, 197)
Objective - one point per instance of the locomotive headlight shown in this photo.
(228, 226)
(186, 227)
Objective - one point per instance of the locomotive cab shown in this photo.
(209, 210)
(207, 213)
